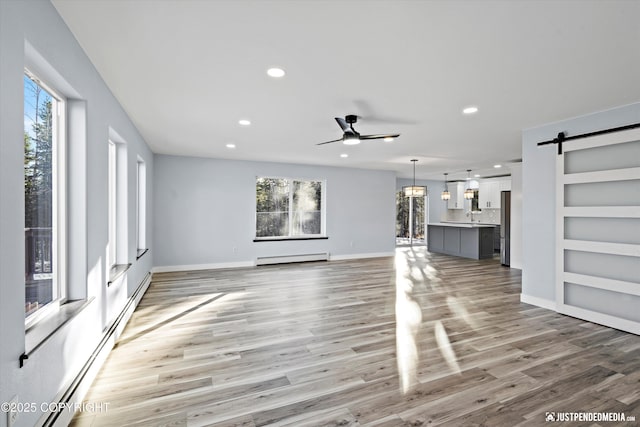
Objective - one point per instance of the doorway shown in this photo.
(411, 220)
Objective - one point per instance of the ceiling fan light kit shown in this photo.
(352, 137)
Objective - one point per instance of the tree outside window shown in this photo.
(39, 200)
(288, 208)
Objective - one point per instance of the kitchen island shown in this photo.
(461, 239)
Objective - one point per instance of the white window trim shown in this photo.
(141, 205)
(112, 177)
(290, 236)
(117, 255)
(59, 198)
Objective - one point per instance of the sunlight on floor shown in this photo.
(412, 273)
(460, 311)
(178, 312)
(445, 347)
(408, 320)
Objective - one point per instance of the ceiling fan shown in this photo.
(351, 136)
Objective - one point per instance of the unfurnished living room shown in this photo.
(319, 213)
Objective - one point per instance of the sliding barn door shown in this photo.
(598, 229)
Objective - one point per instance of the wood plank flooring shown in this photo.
(419, 339)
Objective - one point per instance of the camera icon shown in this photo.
(550, 416)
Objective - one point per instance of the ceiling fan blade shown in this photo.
(395, 135)
(371, 115)
(329, 142)
(343, 124)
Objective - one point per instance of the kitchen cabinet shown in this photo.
(489, 194)
(456, 189)
(465, 240)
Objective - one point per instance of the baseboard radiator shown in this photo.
(79, 386)
(285, 259)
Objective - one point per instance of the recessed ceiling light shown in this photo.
(231, 145)
(497, 166)
(472, 109)
(388, 139)
(477, 175)
(344, 156)
(275, 72)
(244, 122)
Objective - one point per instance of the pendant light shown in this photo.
(468, 193)
(445, 194)
(414, 190)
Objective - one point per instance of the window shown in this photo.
(44, 198)
(113, 205)
(141, 208)
(410, 219)
(289, 208)
(117, 246)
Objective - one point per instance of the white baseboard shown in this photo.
(241, 264)
(191, 267)
(360, 256)
(538, 302)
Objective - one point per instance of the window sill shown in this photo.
(140, 253)
(281, 239)
(39, 333)
(116, 272)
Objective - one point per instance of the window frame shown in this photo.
(291, 212)
(117, 255)
(141, 207)
(59, 200)
(112, 209)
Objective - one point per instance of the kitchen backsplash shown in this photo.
(489, 216)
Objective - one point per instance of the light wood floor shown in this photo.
(422, 339)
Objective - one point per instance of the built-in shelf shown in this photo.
(140, 253)
(281, 239)
(40, 333)
(116, 272)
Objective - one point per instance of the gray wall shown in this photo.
(205, 211)
(538, 189)
(31, 32)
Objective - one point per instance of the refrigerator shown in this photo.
(505, 227)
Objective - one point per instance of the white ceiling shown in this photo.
(187, 70)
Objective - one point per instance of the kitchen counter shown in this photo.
(463, 224)
(468, 240)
